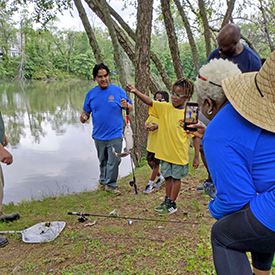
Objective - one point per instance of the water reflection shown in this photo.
(53, 152)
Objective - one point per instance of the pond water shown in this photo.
(53, 152)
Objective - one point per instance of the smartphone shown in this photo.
(191, 115)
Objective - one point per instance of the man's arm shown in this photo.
(146, 99)
(5, 156)
(84, 116)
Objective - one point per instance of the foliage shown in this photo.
(54, 53)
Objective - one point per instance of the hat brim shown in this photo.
(242, 93)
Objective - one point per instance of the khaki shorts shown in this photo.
(173, 170)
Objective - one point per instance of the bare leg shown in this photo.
(168, 186)
(175, 189)
(155, 172)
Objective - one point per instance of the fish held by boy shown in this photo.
(128, 136)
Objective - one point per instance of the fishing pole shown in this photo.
(132, 182)
(120, 217)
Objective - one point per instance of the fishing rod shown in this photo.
(120, 217)
(132, 182)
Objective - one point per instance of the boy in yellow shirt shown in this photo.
(173, 143)
(151, 125)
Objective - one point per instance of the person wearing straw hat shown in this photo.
(240, 153)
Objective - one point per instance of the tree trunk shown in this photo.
(189, 34)
(89, 31)
(172, 37)
(117, 54)
(142, 70)
(123, 40)
(228, 14)
(266, 29)
(206, 32)
(165, 78)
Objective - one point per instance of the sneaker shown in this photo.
(170, 208)
(10, 217)
(200, 188)
(3, 241)
(101, 186)
(159, 183)
(163, 205)
(148, 189)
(210, 190)
(111, 190)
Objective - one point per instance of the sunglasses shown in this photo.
(177, 95)
(204, 79)
(159, 99)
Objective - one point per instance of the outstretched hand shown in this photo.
(131, 88)
(200, 129)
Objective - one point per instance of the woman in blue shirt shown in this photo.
(240, 153)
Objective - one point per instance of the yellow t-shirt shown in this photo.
(152, 135)
(172, 141)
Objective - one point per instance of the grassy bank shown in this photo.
(177, 244)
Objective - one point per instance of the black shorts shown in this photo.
(151, 157)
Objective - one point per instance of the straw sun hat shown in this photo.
(253, 94)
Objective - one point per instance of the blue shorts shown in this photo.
(173, 170)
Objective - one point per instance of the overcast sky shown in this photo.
(69, 22)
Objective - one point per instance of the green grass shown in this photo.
(178, 244)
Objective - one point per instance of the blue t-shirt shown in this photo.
(241, 160)
(106, 111)
(247, 60)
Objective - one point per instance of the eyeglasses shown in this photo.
(177, 95)
(159, 99)
(224, 46)
(204, 79)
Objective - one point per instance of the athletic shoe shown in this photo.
(170, 208)
(3, 241)
(10, 217)
(159, 183)
(210, 190)
(163, 205)
(111, 190)
(148, 189)
(206, 182)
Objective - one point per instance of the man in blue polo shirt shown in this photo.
(230, 48)
(105, 102)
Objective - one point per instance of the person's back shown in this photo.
(248, 146)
